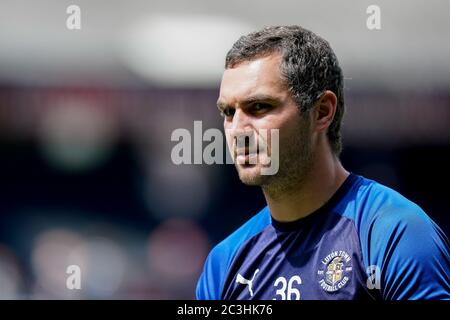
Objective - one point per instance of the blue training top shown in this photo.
(366, 242)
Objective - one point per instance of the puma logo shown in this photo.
(240, 279)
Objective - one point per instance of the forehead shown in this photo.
(260, 76)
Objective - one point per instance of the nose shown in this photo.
(240, 132)
(240, 124)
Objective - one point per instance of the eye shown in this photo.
(227, 112)
(260, 107)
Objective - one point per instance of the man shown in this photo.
(326, 233)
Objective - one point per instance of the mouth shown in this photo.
(247, 156)
(246, 151)
(247, 160)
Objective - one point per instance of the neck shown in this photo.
(323, 179)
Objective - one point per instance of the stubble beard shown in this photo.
(296, 159)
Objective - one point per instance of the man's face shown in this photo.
(253, 96)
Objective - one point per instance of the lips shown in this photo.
(246, 151)
(247, 156)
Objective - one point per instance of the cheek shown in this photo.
(229, 141)
(226, 129)
(292, 134)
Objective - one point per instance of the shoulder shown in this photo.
(248, 230)
(382, 213)
(227, 248)
(378, 204)
(399, 238)
(395, 220)
(219, 259)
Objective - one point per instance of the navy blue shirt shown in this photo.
(366, 242)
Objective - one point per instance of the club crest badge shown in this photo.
(335, 269)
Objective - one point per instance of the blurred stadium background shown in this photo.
(86, 118)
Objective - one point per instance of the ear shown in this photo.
(324, 111)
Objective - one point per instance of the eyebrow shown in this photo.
(256, 98)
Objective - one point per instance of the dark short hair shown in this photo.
(309, 67)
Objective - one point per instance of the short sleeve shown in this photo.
(411, 252)
(209, 284)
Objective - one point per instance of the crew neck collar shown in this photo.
(325, 208)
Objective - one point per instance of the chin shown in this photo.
(251, 175)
